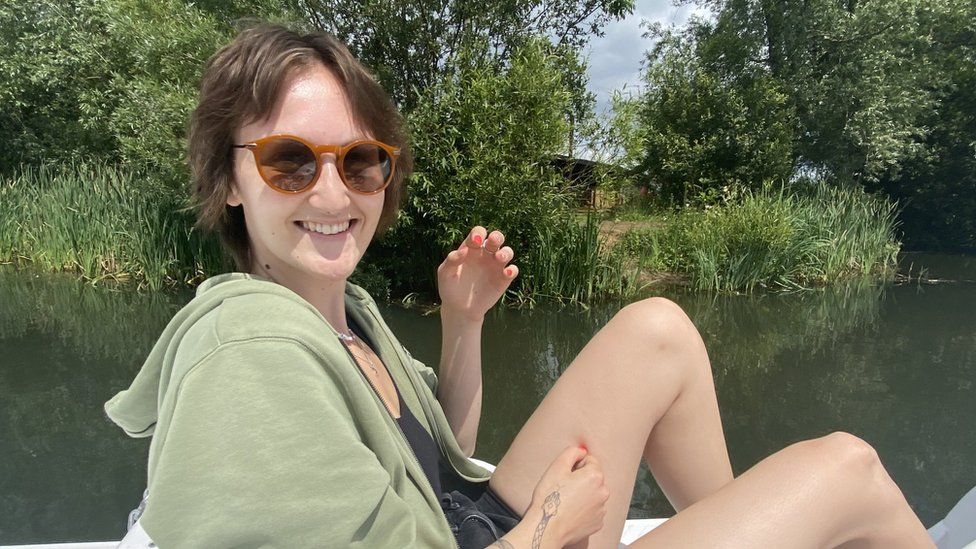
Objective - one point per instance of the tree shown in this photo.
(937, 190)
(855, 72)
(701, 130)
(414, 44)
(112, 80)
(484, 141)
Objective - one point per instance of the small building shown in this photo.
(583, 179)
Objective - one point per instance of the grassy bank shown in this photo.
(101, 222)
(772, 239)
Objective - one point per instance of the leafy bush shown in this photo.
(112, 80)
(483, 142)
(694, 132)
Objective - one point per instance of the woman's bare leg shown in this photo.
(828, 492)
(641, 388)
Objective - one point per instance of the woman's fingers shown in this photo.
(494, 241)
(568, 459)
(476, 238)
(457, 256)
(504, 255)
(479, 238)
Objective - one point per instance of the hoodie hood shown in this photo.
(136, 409)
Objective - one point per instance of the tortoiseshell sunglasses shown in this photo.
(290, 164)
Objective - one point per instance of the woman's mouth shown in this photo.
(326, 229)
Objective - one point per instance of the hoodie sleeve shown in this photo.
(261, 451)
(426, 373)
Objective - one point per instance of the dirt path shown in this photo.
(612, 231)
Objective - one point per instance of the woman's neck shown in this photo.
(327, 296)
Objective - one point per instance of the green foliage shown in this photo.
(94, 220)
(574, 263)
(938, 189)
(876, 93)
(414, 45)
(776, 240)
(112, 80)
(699, 132)
(624, 135)
(857, 74)
(483, 143)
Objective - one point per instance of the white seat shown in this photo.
(958, 529)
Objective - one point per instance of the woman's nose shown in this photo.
(329, 192)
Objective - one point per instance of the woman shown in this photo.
(285, 413)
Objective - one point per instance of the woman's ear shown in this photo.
(233, 197)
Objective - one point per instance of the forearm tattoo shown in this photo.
(549, 508)
(502, 544)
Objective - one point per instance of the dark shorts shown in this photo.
(477, 523)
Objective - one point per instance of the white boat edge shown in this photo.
(633, 529)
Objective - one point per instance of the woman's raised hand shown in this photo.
(572, 497)
(475, 276)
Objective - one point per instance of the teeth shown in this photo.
(325, 229)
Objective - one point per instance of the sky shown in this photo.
(615, 58)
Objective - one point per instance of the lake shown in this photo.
(893, 364)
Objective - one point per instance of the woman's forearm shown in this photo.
(459, 384)
(535, 531)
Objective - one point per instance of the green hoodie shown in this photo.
(266, 433)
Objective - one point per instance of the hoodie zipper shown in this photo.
(403, 436)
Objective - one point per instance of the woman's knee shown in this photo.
(656, 320)
(854, 462)
(848, 451)
(658, 326)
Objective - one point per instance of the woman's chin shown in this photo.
(331, 271)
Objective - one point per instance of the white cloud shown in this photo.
(615, 58)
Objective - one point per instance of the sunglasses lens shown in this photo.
(367, 168)
(287, 164)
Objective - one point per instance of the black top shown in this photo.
(426, 450)
(420, 441)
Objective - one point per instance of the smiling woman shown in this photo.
(295, 233)
(284, 412)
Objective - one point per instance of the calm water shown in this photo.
(894, 365)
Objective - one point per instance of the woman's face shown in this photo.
(290, 234)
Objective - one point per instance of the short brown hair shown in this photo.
(241, 84)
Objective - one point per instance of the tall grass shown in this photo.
(101, 222)
(572, 262)
(777, 239)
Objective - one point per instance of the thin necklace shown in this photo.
(350, 337)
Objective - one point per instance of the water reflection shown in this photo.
(65, 346)
(894, 365)
(891, 364)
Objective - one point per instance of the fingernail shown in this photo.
(477, 239)
(508, 271)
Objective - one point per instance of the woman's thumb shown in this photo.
(566, 461)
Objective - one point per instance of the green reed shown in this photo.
(572, 262)
(101, 221)
(776, 239)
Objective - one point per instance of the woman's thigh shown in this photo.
(624, 381)
(828, 492)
